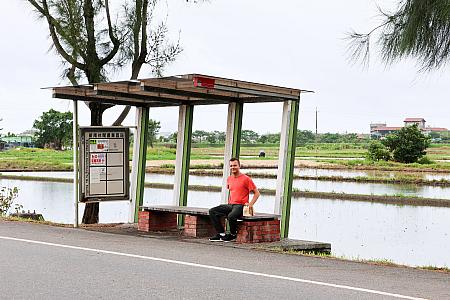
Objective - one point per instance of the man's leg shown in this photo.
(233, 216)
(216, 213)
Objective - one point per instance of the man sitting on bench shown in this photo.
(240, 186)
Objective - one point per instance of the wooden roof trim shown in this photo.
(178, 90)
(248, 85)
(192, 92)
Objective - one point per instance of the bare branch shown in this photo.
(112, 36)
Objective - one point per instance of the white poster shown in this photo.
(98, 159)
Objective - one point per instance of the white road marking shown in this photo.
(178, 262)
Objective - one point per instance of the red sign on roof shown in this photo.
(204, 82)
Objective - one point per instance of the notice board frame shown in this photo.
(103, 133)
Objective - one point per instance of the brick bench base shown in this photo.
(157, 221)
(249, 231)
(258, 231)
(198, 226)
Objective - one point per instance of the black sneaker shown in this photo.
(216, 238)
(229, 238)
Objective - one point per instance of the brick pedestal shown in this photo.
(157, 221)
(258, 232)
(198, 226)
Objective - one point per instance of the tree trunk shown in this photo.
(91, 210)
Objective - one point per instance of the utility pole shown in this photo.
(316, 121)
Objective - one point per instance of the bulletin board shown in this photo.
(104, 163)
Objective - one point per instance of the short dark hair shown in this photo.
(235, 159)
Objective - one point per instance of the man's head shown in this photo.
(235, 166)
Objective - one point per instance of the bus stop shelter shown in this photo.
(187, 91)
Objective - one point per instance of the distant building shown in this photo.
(380, 130)
(21, 140)
(373, 126)
(420, 122)
(429, 129)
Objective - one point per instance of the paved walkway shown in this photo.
(47, 262)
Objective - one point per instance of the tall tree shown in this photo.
(153, 129)
(91, 44)
(54, 129)
(418, 29)
(199, 136)
(249, 136)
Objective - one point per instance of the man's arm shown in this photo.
(256, 195)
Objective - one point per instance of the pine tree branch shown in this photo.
(52, 23)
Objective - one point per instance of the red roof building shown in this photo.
(380, 130)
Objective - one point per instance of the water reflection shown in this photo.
(299, 184)
(404, 234)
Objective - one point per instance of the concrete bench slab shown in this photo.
(201, 211)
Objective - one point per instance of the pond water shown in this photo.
(416, 236)
(300, 184)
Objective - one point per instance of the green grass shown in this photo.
(46, 159)
(35, 159)
(386, 165)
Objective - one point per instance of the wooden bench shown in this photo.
(251, 229)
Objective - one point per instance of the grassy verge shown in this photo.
(35, 160)
(378, 262)
(17, 219)
(356, 164)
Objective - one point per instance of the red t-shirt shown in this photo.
(240, 187)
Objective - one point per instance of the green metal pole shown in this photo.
(76, 160)
(292, 135)
(186, 158)
(236, 144)
(237, 130)
(142, 157)
(232, 143)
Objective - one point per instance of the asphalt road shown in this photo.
(45, 262)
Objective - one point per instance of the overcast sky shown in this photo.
(292, 43)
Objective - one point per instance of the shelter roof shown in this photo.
(192, 89)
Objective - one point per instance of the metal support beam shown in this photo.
(183, 157)
(139, 162)
(232, 142)
(286, 164)
(75, 162)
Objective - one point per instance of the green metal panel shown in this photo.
(186, 158)
(292, 134)
(237, 130)
(143, 137)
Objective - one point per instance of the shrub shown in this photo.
(7, 196)
(425, 161)
(407, 145)
(377, 151)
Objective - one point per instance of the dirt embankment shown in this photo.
(245, 163)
